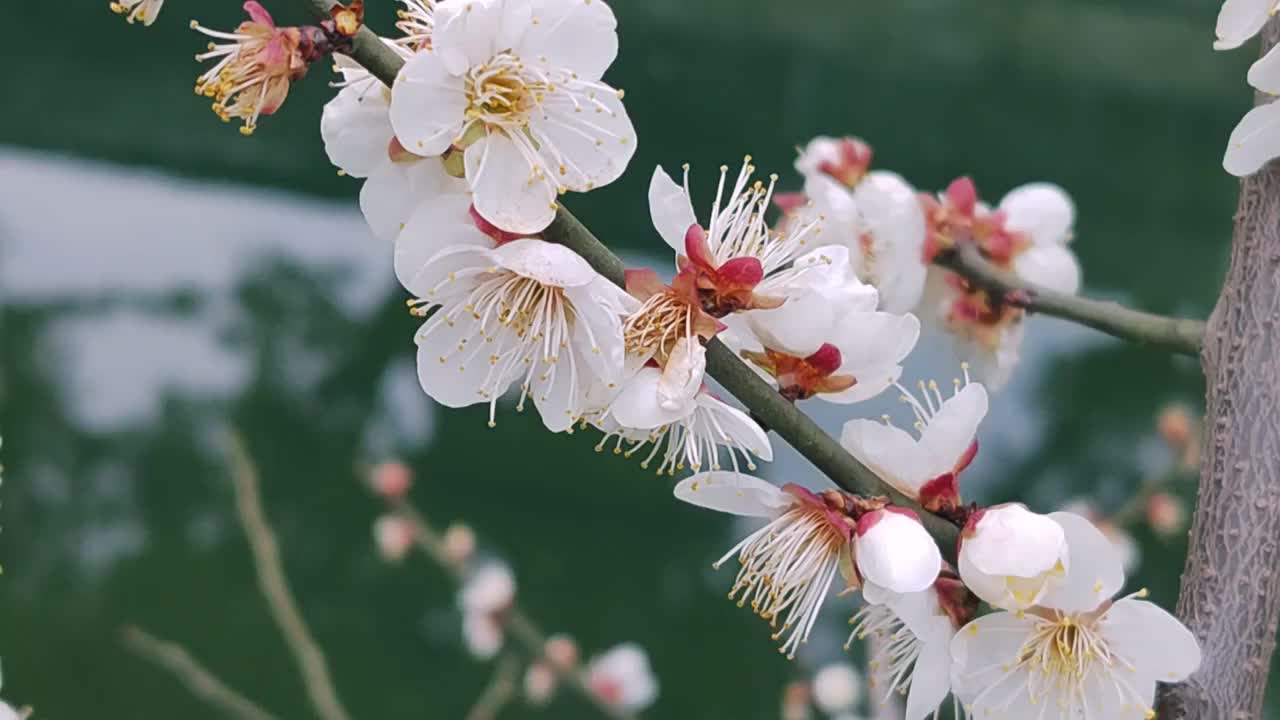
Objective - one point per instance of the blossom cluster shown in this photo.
(501, 108)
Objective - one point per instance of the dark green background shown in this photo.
(1121, 101)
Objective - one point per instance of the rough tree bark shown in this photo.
(1231, 585)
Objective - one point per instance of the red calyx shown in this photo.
(956, 600)
(499, 235)
(802, 378)
(720, 289)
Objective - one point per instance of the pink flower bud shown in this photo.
(459, 543)
(539, 684)
(1166, 513)
(392, 479)
(1175, 426)
(394, 536)
(561, 651)
(795, 701)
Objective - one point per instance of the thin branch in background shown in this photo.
(500, 691)
(202, 683)
(1179, 335)
(275, 586)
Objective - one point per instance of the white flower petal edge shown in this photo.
(733, 493)
(895, 552)
(1096, 573)
(1254, 141)
(913, 648)
(670, 208)
(1011, 557)
(1239, 20)
(891, 217)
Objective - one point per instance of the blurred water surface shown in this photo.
(163, 278)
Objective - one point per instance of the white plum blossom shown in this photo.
(926, 468)
(1039, 220)
(143, 11)
(1077, 654)
(527, 312)
(789, 565)
(487, 593)
(482, 634)
(912, 652)
(837, 688)
(623, 679)
(874, 213)
(1011, 557)
(514, 86)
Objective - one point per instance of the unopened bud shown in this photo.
(561, 651)
(836, 688)
(795, 701)
(539, 684)
(1166, 513)
(1175, 426)
(394, 536)
(459, 543)
(391, 479)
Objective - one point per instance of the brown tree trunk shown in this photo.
(1231, 586)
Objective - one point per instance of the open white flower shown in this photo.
(622, 679)
(515, 86)
(1038, 222)
(143, 11)
(679, 430)
(927, 468)
(788, 566)
(527, 312)
(1078, 654)
(985, 332)
(912, 652)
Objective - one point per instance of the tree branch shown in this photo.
(779, 414)
(202, 683)
(500, 691)
(1177, 335)
(1230, 593)
(275, 586)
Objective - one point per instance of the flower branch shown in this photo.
(764, 401)
(1179, 335)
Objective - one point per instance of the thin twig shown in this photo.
(500, 691)
(275, 586)
(1179, 335)
(202, 683)
(516, 620)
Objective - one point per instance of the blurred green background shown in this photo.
(162, 278)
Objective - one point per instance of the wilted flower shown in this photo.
(515, 89)
(1078, 654)
(788, 565)
(257, 64)
(394, 536)
(926, 469)
(144, 11)
(837, 688)
(622, 679)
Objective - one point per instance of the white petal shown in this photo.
(898, 554)
(548, 263)
(585, 135)
(482, 634)
(442, 220)
(978, 653)
(1042, 210)
(469, 32)
(1012, 540)
(951, 431)
(670, 208)
(931, 676)
(573, 34)
(1264, 74)
(506, 191)
(890, 212)
(1240, 20)
(871, 340)
(733, 493)
(387, 199)
(598, 330)
(637, 405)
(798, 327)
(738, 428)
(428, 105)
(356, 128)
(871, 382)
(1151, 639)
(1254, 141)
(447, 274)
(457, 374)
(889, 452)
(1053, 267)
(558, 387)
(1096, 571)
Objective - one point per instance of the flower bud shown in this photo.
(1010, 556)
(459, 543)
(391, 480)
(1166, 513)
(795, 701)
(539, 684)
(394, 536)
(895, 552)
(561, 651)
(836, 688)
(1175, 427)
